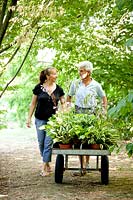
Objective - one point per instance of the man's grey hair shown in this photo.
(86, 65)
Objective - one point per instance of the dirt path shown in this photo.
(20, 165)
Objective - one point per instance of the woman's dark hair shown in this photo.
(44, 73)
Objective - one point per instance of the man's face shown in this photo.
(83, 73)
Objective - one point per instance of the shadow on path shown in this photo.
(20, 165)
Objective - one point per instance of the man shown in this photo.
(86, 92)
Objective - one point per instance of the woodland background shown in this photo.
(36, 34)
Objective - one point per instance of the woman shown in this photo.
(46, 96)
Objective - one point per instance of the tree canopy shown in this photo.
(95, 30)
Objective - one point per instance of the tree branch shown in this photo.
(4, 67)
(21, 63)
(7, 47)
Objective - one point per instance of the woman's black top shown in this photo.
(46, 104)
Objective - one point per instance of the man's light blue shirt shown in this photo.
(86, 96)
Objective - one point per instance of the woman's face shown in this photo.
(53, 75)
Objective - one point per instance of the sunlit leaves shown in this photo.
(95, 30)
(129, 148)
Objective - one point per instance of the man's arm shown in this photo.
(104, 103)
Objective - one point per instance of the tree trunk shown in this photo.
(4, 20)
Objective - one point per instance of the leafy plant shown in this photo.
(60, 127)
(122, 115)
(103, 132)
(72, 128)
(129, 149)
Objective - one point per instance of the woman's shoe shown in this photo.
(43, 173)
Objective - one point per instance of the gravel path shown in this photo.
(20, 165)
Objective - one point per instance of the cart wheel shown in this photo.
(59, 168)
(104, 170)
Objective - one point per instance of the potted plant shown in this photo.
(60, 128)
(72, 128)
(102, 132)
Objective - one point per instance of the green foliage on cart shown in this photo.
(69, 127)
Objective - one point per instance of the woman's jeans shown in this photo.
(45, 141)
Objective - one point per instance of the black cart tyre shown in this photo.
(104, 170)
(59, 168)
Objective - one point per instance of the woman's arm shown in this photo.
(62, 100)
(32, 108)
(69, 99)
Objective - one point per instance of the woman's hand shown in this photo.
(28, 123)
